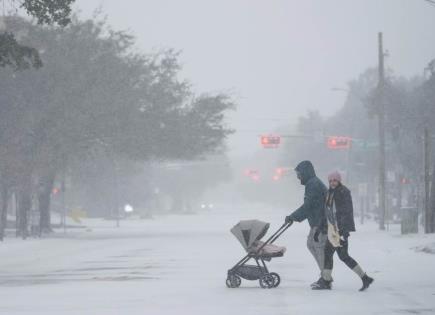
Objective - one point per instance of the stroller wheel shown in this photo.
(267, 281)
(276, 279)
(233, 281)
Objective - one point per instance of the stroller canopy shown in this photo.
(249, 231)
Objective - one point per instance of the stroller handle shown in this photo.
(275, 235)
(280, 231)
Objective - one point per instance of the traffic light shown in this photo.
(405, 181)
(338, 142)
(255, 178)
(252, 174)
(270, 142)
(282, 171)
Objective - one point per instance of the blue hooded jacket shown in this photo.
(314, 199)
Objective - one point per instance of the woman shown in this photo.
(338, 222)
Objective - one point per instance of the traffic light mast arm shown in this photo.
(297, 136)
(332, 142)
(322, 136)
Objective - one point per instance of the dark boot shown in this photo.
(316, 283)
(322, 284)
(367, 281)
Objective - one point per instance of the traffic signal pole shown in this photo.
(381, 117)
(427, 205)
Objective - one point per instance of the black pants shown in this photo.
(343, 254)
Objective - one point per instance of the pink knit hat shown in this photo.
(334, 175)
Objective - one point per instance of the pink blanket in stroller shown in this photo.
(267, 250)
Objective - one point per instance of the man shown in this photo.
(312, 210)
(337, 223)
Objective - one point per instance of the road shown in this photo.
(177, 265)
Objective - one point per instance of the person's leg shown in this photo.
(325, 280)
(313, 247)
(329, 262)
(343, 254)
(320, 250)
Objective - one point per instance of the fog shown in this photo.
(205, 157)
(279, 58)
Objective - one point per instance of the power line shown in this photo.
(431, 2)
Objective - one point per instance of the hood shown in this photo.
(249, 231)
(306, 171)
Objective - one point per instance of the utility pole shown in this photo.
(381, 116)
(63, 193)
(432, 201)
(116, 189)
(427, 206)
(63, 190)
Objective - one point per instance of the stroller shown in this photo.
(249, 233)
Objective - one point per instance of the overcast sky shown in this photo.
(279, 58)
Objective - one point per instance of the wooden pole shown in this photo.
(381, 116)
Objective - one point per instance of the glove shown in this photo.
(288, 219)
(343, 240)
(316, 236)
(344, 235)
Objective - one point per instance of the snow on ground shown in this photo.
(177, 265)
(428, 248)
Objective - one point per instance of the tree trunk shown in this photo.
(177, 202)
(432, 203)
(44, 199)
(24, 206)
(3, 209)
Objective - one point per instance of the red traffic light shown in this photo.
(282, 171)
(338, 142)
(252, 174)
(405, 181)
(269, 141)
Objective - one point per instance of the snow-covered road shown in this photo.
(177, 265)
